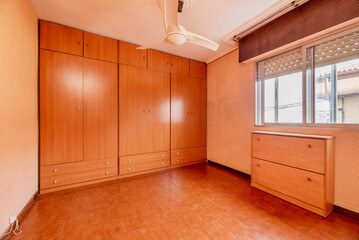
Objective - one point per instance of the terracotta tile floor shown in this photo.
(197, 202)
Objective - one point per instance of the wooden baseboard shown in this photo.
(22, 213)
(246, 175)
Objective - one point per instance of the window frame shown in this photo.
(259, 120)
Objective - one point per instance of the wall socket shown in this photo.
(12, 218)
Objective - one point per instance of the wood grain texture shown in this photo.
(303, 185)
(139, 167)
(159, 61)
(133, 110)
(158, 103)
(198, 69)
(99, 47)
(179, 65)
(61, 108)
(60, 38)
(304, 153)
(310, 18)
(183, 156)
(129, 55)
(101, 109)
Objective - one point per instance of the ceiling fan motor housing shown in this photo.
(177, 38)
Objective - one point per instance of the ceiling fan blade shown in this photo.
(153, 44)
(170, 8)
(201, 41)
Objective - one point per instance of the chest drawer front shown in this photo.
(143, 158)
(77, 177)
(139, 167)
(300, 184)
(304, 153)
(188, 155)
(60, 169)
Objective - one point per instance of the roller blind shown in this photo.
(283, 64)
(340, 49)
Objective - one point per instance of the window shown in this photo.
(332, 84)
(280, 81)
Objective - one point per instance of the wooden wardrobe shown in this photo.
(108, 110)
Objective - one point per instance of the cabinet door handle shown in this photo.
(258, 165)
(106, 172)
(129, 169)
(106, 163)
(55, 181)
(55, 170)
(310, 146)
(177, 153)
(309, 179)
(258, 139)
(129, 160)
(163, 163)
(78, 42)
(79, 108)
(177, 160)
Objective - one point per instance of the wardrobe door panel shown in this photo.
(198, 69)
(133, 110)
(129, 55)
(180, 113)
(159, 61)
(199, 117)
(158, 101)
(60, 38)
(61, 108)
(179, 65)
(100, 47)
(101, 106)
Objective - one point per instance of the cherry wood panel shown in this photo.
(299, 152)
(101, 109)
(65, 168)
(141, 158)
(300, 184)
(61, 38)
(180, 113)
(310, 18)
(61, 108)
(77, 177)
(129, 55)
(99, 47)
(159, 61)
(179, 65)
(197, 69)
(133, 110)
(158, 103)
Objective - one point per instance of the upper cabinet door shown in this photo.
(100, 47)
(61, 38)
(158, 102)
(199, 112)
(61, 108)
(159, 61)
(198, 69)
(100, 107)
(179, 65)
(129, 55)
(133, 110)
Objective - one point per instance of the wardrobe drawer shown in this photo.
(77, 177)
(188, 155)
(143, 158)
(304, 153)
(148, 165)
(66, 168)
(300, 184)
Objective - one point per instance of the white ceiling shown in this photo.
(141, 21)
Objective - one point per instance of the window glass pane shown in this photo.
(290, 98)
(269, 100)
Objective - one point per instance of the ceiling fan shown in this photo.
(176, 34)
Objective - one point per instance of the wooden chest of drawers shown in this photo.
(297, 168)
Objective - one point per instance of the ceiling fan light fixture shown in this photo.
(177, 38)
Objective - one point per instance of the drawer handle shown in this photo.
(78, 42)
(55, 170)
(129, 160)
(163, 155)
(309, 179)
(129, 169)
(258, 165)
(163, 163)
(310, 146)
(106, 172)
(177, 153)
(106, 163)
(177, 160)
(55, 181)
(258, 139)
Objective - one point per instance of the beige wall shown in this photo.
(18, 107)
(231, 120)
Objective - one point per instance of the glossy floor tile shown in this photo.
(196, 202)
